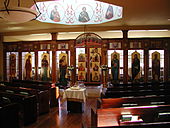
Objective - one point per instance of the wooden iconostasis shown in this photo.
(131, 60)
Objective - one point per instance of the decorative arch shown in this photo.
(88, 40)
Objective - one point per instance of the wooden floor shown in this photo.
(60, 118)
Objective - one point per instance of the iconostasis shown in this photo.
(82, 60)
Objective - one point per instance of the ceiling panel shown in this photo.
(137, 14)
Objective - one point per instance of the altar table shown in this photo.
(75, 99)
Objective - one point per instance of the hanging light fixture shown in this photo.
(17, 14)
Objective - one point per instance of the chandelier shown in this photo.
(17, 14)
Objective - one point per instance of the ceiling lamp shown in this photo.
(78, 12)
(17, 14)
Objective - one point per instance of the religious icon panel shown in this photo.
(115, 57)
(156, 65)
(95, 59)
(45, 70)
(28, 66)
(95, 54)
(135, 65)
(95, 76)
(95, 71)
(44, 65)
(115, 64)
(81, 75)
(12, 62)
(82, 66)
(12, 65)
(63, 63)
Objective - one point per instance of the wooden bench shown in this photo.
(28, 103)
(132, 93)
(135, 101)
(41, 85)
(149, 115)
(10, 115)
(41, 95)
(135, 87)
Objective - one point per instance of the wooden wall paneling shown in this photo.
(53, 48)
(54, 36)
(20, 64)
(166, 61)
(73, 61)
(146, 64)
(4, 66)
(54, 77)
(125, 53)
(125, 65)
(147, 44)
(104, 61)
(168, 41)
(36, 65)
(88, 65)
(1, 58)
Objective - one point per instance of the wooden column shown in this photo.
(36, 65)
(104, 62)
(4, 69)
(146, 65)
(53, 66)
(168, 67)
(73, 62)
(2, 55)
(54, 72)
(54, 36)
(20, 65)
(166, 63)
(125, 58)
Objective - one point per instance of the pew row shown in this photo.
(41, 85)
(147, 116)
(10, 114)
(41, 96)
(28, 104)
(130, 93)
(134, 101)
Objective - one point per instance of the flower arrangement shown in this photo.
(104, 67)
(70, 67)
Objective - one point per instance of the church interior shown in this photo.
(84, 64)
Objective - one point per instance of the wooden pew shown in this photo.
(136, 87)
(41, 95)
(41, 91)
(130, 93)
(19, 90)
(149, 114)
(41, 85)
(10, 115)
(28, 103)
(135, 101)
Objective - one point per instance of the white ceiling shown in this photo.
(137, 15)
